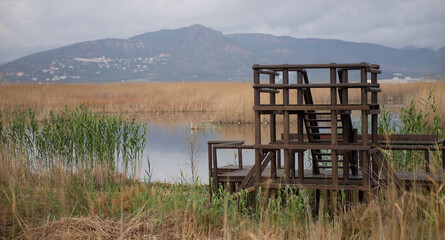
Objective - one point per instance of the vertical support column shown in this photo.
(364, 154)
(374, 127)
(334, 139)
(300, 129)
(273, 130)
(209, 152)
(427, 160)
(443, 156)
(240, 158)
(292, 163)
(347, 131)
(215, 169)
(286, 128)
(257, 122)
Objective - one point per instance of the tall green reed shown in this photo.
(77, 138)
(418, 117)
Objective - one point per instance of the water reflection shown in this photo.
(168, 151)
(167, 144)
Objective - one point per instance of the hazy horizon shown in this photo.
(28, 26)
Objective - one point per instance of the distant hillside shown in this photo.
(414, 63)
(203, 54)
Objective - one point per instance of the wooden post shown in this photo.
(427, 161)
(347, 131)
(300, 129)
(374, 127)
(286, 127)
(273, 130)
(257, 122)
(334, 139)
(292, 163)
(258, 158)
(443, 156)
(215, 170)
(209, 152)
(240, 158)
(364, 156)
(317, 200)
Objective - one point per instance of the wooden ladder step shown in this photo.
(326, 140)
(319, 133)
(339, 167)
(327, 155)
(318, 113)
(321, 120)
(322, 160)
(323, 127)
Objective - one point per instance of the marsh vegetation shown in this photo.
(221, 102)
(73, 172)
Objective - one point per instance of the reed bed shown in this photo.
(53, 205)
(228, 102)
(72, 173)
(81, 138)
(46, 164)
(75, 199)
(133, 97)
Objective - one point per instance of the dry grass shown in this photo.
(411, 216)
(141, 226)
(134, 97)
(41, 203)
(222, 102)
(49, 204)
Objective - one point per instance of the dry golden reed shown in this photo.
(51, 204)
(228, 102)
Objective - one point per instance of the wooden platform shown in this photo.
(231, 174)
(327, 131)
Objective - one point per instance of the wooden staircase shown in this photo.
(318, 127)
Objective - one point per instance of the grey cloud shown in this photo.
(27, 26)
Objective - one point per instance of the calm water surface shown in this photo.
(168, 144)
(168, 149)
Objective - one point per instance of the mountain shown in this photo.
(412, 63)
(203, 54)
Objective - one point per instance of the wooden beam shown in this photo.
(271, 73)
(310, 186)
(314, 85)
(387, 170)
(296, 107)
(309, 66)
(312, 146)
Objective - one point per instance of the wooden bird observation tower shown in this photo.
(325, 152)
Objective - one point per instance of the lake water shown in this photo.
(168, 148)
(168, 144)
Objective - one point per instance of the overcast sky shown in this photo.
(28, 26)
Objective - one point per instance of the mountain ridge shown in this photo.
(204, 54)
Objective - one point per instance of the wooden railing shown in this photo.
(213, 157)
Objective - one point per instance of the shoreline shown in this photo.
(221, 102)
